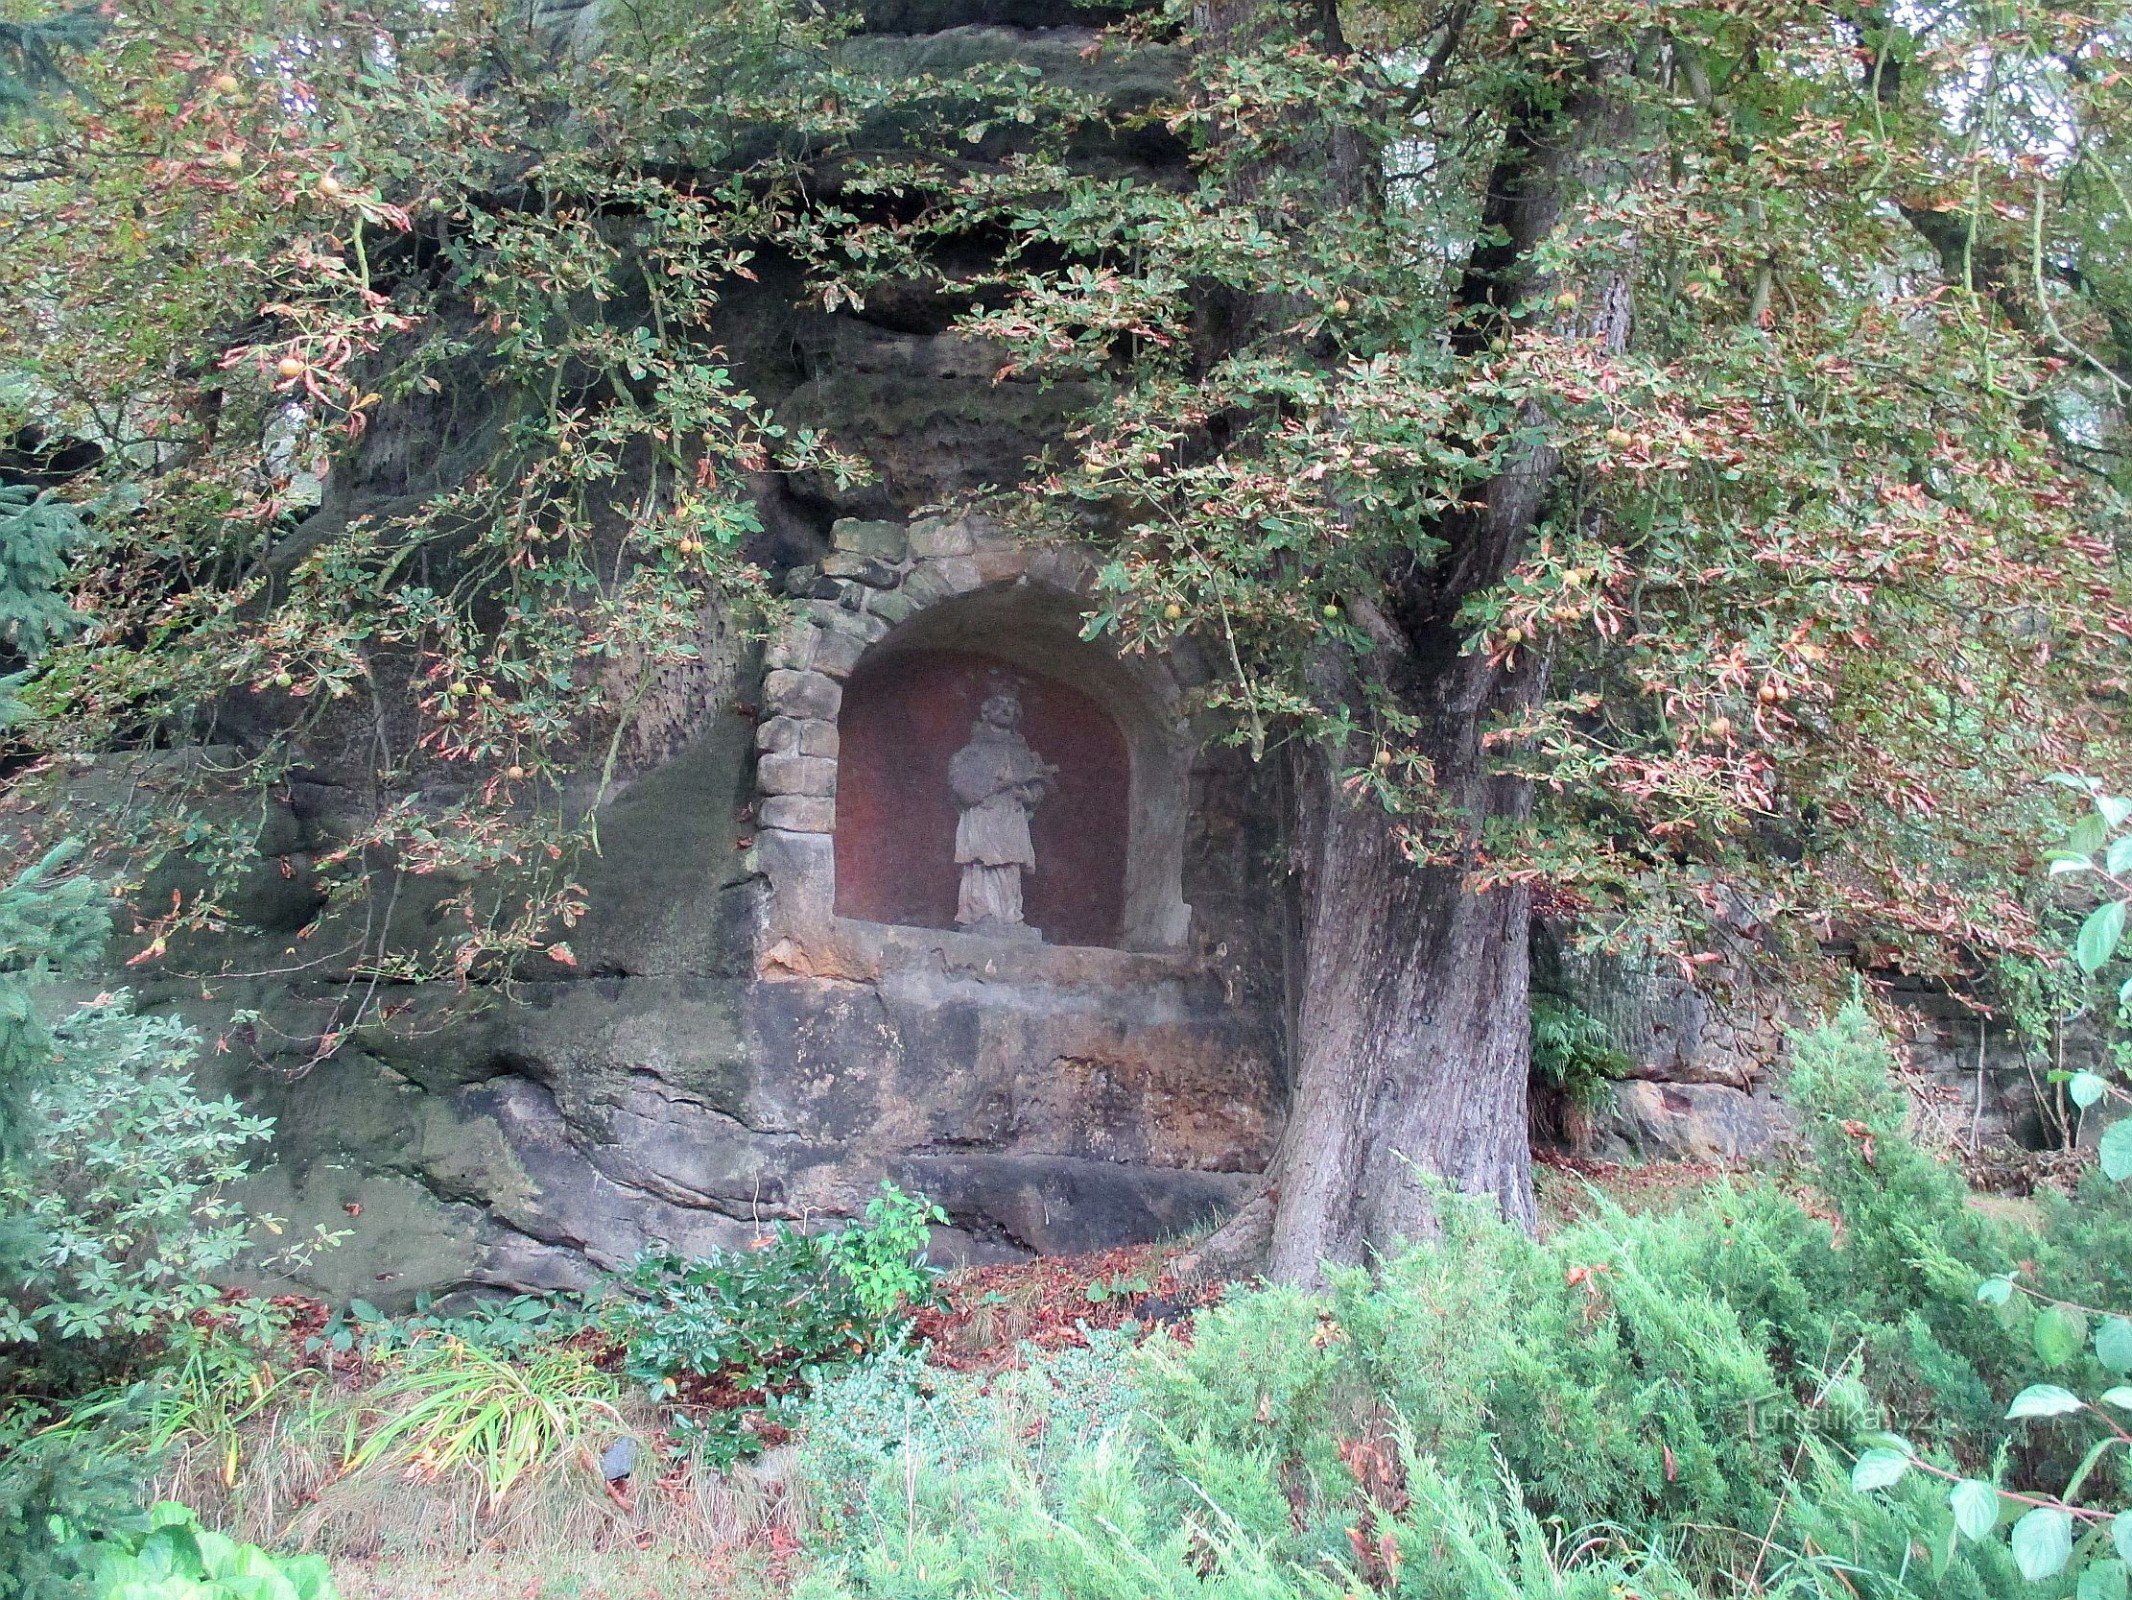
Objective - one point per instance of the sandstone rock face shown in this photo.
(727, 1052)
(1698, 1121)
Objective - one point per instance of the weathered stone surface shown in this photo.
(796, 774)
(792, 646)
(799, 813)
(882, 541)
(925, 586)
(1056, 1203)
(788, 736)
(933, 537)
(860, 569)
(837, 653)
(892, 606)
(802, 694)
(1697, 1122)
(960, 574)
(835, 618)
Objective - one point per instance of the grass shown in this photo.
(626, 1573)
(451, 1406)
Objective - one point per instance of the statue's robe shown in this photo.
(992, 845)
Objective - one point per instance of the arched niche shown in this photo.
(871, 686)
(1118, 816)
(905, 713)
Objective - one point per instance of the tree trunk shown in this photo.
(1413, 1043)
(1413, 1039)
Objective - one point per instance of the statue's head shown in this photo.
(1002, 709)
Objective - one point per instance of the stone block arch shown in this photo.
(894, 603)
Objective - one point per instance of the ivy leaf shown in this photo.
(2116, 1150)
(2102, 1580)
(2043, 1400)
(1879, 1468)
(2098, 937)
(2059, 1336)
(2087, 1087)
(2113, 1344)
(1976, 1507)
(2043, 1543)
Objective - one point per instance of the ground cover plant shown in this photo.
(1693, 1399)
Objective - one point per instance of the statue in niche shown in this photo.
(997, 780)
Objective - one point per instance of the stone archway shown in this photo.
(893, 603)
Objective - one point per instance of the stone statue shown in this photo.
(997, 780)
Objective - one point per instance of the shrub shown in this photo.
(174, 1558)
(114, 1215)
(1665, 1404)
(58, 1495)
(735, 1337)
(123, 1200)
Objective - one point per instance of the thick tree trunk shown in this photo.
(1413, 1038)
(1412, 1046)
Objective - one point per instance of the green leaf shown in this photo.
(2059, 1336)
(2102, 1580)
(1976, 1507)
(364, 1311)
(2116, 1150)
(2121, 1534)
(2113, 1344)
(2098, 937)
(1879, 1468)
(2115, 809)
(2043, 1542)
(2086, 1088)
(2119, 858)
(2043, 1400)
(1995, 1291)
(2120, 1397)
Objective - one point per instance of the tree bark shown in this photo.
(1413, 1040)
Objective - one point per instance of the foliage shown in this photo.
(38, 534)
(2050, 1532)
(59, 1494)
(121, 1204)
(1824, 577)
(446, 1405)
(30, 53)
(1574, 1051)
(113, 1213)
(500, 1327)
(174, 1558)
(738, 1335)
(51, 925)
(1673, 1402)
